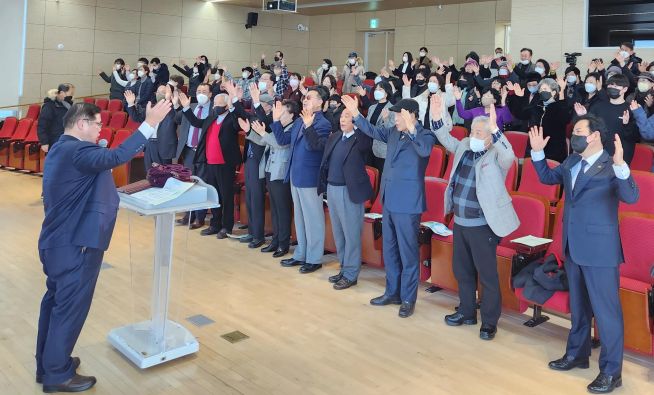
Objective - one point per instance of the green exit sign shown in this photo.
(374, 23)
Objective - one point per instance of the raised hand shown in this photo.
(649, 100)
(536, 138)
(441, 70)
(436, 107)
(307, 117)
(448, 78)
(518, 90)
(618, 156)
(634, 105)
(391, 64)
(169, 92)
(625, 117)
(492, 114)
(580, 110)
(562, 83)
(277, 111)
(450, 61)
(592, 66)
(457, 93)
(255, 93)
(130, 98)
(155, 114)
(259, 128)
(175, 99)
(600, 65)
(555, 65)
(244, 124)
(184, 100)
(351, 104)
(619, 59)
(230, 88)
(263, 56)
(182, 62)
(406, 80)
(406, 116)
(361, 91)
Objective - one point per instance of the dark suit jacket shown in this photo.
(252, 164)
(166, 132)
(161, 76)
(79, 194)
(590, 218)
(354, 167)
(228, 135)
(145, 92)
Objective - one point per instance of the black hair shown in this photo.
(619, 80)
(146, 68)
(439, 78)
(335, 97)
(299, 77)
(423, 49)
(80, 111)
(531, 53)
(292, 106)
(323, 93)
(120, 61)
(496, 94)
(628, 45)
(144, 60)
(329, 63)
(331, 79)
(597, 76)
(281, 54)
(156, 60)
(572, 68)
(65, 87)
(546, 64)
(595, 124)
(500, 48)
(178, 79)
(206, 60)
(409, 57)
(501, 80)
(386, 86)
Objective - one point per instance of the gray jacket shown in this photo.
(378, 146)
(279, 157)
(490, 172)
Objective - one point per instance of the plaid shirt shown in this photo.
(467, 211)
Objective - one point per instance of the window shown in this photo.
(611, 22)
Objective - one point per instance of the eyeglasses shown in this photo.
(98, 124)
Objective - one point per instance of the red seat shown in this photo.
(530, 183)
(118, 120)
(21, 131)
(184, 88)
(511, 180)
(636, 281)
(459, 132)
(371, 243)
(436, 162)
(339, 87)
(33, 111)
(8, 128)
(89, 100)
(519, 142)
(32, 154)
(106, 133)
(434, 194)
(132, 125)
(121, 173)
(16, 158)
(308, 81)
(105, 117)
(102, 103)
(645, 204)
(643, 158)
(373, 175)
(115, 105)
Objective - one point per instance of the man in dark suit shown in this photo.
(403, 195)
(219, 155)
(343, 176)
(306, 154)
(81, 203)
(159, 72)
(162, 145)
(594, 185)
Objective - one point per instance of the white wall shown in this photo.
(12, 18)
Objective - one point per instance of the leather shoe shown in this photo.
(568, 363)
(406, 310)
(487, 332)
(222, 234)
(246, 239)
(604, 384)
(269, 248)
(280, 252)
(77, 383)
(182, 221)
(76, 363)
(335, 278)
(385, 300)
(458, 319)
(256, 243)
(290, 262)
(196, 225)
(209, 231)
(344, 283)
(310, 267)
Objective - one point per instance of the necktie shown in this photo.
(581, 175)
(343, 138)
(195, 136)
(250, 152)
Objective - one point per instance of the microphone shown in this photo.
(103, 143)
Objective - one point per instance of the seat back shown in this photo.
(377, 207)
(369, 83)
(106, 133)
(33, 112)
(118, 120)
(102, 103)
(120, 136)
(32, 135)
(373, 175)
(448, 169)
(89, 100)
(115, 105)
(459, 132)
(533, 212)
(511, 180)
(530, 183)
(556, 247)
(308, 81)
(105, 117)
(436, 162)
(643, 158)
(638, 250)
(645, 204)
(23, 129)
(339, 86)
(435, 196)
(184, 88)
(131, 124)
(8, 127)
(519, 142)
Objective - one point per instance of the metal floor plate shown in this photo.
(200, 320)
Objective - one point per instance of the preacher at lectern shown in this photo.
(80, 203)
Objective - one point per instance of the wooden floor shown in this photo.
(304, 337)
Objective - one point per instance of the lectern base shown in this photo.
(136, 342)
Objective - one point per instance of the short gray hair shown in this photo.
(482, 119)
(224, 96)
(554, 86)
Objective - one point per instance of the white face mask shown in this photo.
(477, 145)
(216, 76)
(141, 73)
(117, 67)
(571, 79)
(294, 83)
(139, 64)
(172, 83)
(624, 54)
(525, 62)
(379, 95)
(378, 79)
(643, 86)
(352, 61)
(540, 70)
(423, 54)
(130, 76)
(432, 86)
(245, 74)
(405, 59)
(263, 86)
(202, 99)
(504, 72)
(325, 66)
(195, 70)
(498, 55)
(590, 87)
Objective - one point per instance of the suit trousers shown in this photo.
(255, 199)
(280, 210)
(222, 178)
(594, 291)
(475, 255)
(188, 155)
(151, 155)
(72, 273)
(401, 254)
(347, 222)
(309, 218)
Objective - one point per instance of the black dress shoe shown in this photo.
(568, 363)
(458, 319)
(604, 384)
(344, 283)
(222, 234)
(385, 300)
(246, 239)
(182, 221)
(290, 262)
(487, 332)
(196, 225)
(256, 243)
(406, 310)
(280, 252)
(269, 248)
(76, 363)
(77, 383)
(209, 231)
(334, 279)
(310, 267)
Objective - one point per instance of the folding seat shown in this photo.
(121, 173)
(17, 147)
(7, 154)
(459, 132)
(31, 151)
(118, 120)
(115, 105)
(645, 204)
(308, 82)
(530, 183)
(339, 87)
(369, 83)
(643, 158)
(434, 194)
(8, 128)
(132, 125)
(106, 133)
(102, 103)
(105, 117)
(33, 111)
(519, 142)
(89, 100)
(371, 242)
(436, 162)
(184, 88)
(636, 281)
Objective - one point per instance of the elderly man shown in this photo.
(483, 214)
(403, 194)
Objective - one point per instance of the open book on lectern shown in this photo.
(174, 196)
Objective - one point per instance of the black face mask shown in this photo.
(578, 143)
(219, 110)
(545, 96)
(613, 93)
(462, 84)
(420, 82)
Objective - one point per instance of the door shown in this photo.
(378, 49)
